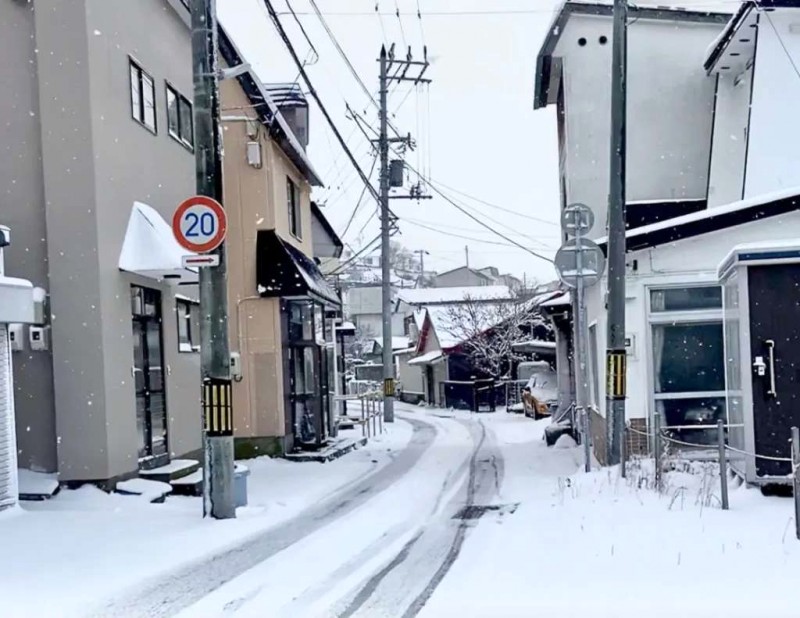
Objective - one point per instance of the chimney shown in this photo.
(293, 106)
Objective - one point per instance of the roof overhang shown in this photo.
(548, 66)
(732, 52)
(780, 251)
(283, 271)
(430, 358)
(150, 249)
(710, 220)
(267, 110)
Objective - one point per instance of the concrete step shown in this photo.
(35, 486)
(190, 485)
(177, 468)
(153, 491)
(329, 453)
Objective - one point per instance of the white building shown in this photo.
(711, 165)
(16, 306)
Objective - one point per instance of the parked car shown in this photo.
(540, 394)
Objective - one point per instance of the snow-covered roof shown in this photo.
(712, 219)
(398, 343)
(426, 359)
(431, 296)
(447, 332)
(538, 343)
(564, 299)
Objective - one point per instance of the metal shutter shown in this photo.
(8, 455)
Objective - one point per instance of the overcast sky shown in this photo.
(482, 136)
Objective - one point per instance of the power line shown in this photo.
(400, 21)
(360, 198)
(303, 30)
(454, 235)
(317, 98)
(458, 228)
(419, 20)
(474, 218)
(501, 208)
(340, 269)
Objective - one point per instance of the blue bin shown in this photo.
(240, 474)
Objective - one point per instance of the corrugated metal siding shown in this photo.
(8, 456)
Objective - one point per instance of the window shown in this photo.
(143, 97)
(179, 118)
(188, 325)
(688, 360)
(293, 198)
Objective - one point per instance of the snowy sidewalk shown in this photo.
(596, 545)
(62, 556)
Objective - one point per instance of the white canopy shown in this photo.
(151, 250)
(16, 301)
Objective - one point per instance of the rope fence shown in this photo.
(658, 437)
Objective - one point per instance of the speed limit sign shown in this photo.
(199, 224)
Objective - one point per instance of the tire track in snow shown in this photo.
(171, 593)
(407, 580)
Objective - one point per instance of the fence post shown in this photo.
(796, 478)
(474, 396)
(375, 417)
(723, 464)
(657, 448)
(624, 452)
(362, 397)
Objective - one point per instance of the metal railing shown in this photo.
(369, 409)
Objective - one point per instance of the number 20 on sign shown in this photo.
(199, 224)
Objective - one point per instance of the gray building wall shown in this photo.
(97, 161)
(461, 277)
(22, 209)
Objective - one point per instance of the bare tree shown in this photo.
(487, 331)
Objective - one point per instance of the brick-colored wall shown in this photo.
(636, 443)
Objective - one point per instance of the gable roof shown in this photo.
(710, 220)
(548, 68)
(467, 268)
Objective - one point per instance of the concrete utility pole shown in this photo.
(218, 464)
(388, 61)
(386, 267)
(616, 359)
(466, 255)
(422, 254)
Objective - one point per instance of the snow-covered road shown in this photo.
(378, 549)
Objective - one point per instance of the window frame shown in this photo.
(293, 207)
(169, 88)
(677, 318)
(138, 109)
(184, 308)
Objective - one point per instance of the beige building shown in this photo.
(280, 306)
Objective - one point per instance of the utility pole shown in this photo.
(615, 347)
(218, 464)
(422, 254)
(386, 271)
(466, 255)
(388, 62)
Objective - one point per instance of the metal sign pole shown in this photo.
(581, 379)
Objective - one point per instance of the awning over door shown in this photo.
(150, 249)
(282, 270)
(16, 301)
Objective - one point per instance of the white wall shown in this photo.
(670, 107)
(726, 182)
(692, 261)
(773, 157)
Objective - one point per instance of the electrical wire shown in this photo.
(313, 91)
(343, 266)
(421, 28)
(360, 198)
(400, 21)
(474, 218)
(454, 235)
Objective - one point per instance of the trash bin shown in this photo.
(240, 474)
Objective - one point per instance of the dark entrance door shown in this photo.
(775, 337)
(148, 371)
(430, 384)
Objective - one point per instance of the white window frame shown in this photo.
(182, 304)
(699, 316)
(138, 107)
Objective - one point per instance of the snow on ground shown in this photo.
(604, 546)
(59, 555)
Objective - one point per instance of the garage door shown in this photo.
(8, 467)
